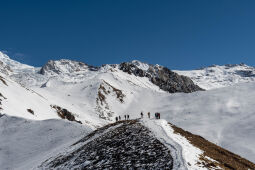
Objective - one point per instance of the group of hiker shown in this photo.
(157, 116)
(119, 118)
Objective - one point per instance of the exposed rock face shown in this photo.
(5, 68)
(163, 77)
(65, 66)
(65, 114)
(105, 91)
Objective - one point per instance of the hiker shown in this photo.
(119, 118)
(125, 117)
(149, 115)
(128, 117)
(116, 119)
(141, 114)
(157, 115)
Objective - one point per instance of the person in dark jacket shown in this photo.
(119, 118)
(125, 117)
(157, 115)
(141, 114)
(116, 119)
(149, 115)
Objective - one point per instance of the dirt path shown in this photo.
(175, 148)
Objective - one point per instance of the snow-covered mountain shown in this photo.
(94, 96)
(10, 66)
(102, 92)
(217, 76)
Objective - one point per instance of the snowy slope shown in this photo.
(25, 143)
(224, 116)
(104, 94)
(220, 76)
(16, 100)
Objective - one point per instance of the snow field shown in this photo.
(24, 144)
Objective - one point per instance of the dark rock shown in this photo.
(31, 111)
(161, 76)
(65, 114)
(245, 73)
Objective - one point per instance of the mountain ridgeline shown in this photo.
(163, 77)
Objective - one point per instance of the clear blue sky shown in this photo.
(175, 33)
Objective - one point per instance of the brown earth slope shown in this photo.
(225, 159)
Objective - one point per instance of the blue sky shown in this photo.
(179, 34)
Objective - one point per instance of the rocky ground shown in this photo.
(129, 145)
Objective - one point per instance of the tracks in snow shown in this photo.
(176, 150)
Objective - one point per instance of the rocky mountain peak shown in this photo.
(161, 76)
(65, 66)
(9, 66)
(4, 68)
(3, 56)
(140, 65)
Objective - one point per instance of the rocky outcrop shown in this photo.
(105, 91)
(65, 114)
(6, 69)
(161, 76)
